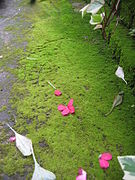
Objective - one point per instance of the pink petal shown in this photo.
(57, 93)
(82, 175)
(103, 163)
(71, 109)
(65, 112)
(106, 156)
(70, 103)
(12, 139)
(61, 107)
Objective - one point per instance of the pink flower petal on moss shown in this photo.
(57, 93)
(70, 103)
(106, 156)
(103, 163)
(71, 109)
(61, 107)
(82, 175)
(12, 139)
(65, 112)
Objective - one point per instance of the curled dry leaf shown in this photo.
(117, 101)
(98, 26)
(22, 143)
(120, 73)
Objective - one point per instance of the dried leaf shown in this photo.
(82, 175)
(22, 143)
(98, 26)
(1, 56)
(117, 101)
(95, 6)
(120, 73)
(84, 10)
(41, 173)
(127, 164)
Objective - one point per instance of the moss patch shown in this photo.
(66, 51)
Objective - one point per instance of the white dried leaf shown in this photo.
(127, 164)
(120, 73)
(84, 10)
(41, 173)
(95, 6)
(98, 26)
(22, 143)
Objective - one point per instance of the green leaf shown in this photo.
(96, 19)
(128, 166)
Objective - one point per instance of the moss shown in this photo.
(66, 51)
(3, 108)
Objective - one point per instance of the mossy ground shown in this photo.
(67, 52)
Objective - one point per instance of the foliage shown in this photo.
(95, 6)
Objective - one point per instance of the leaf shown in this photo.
(82, 175)
(98, 26)
(84, 10)
(95, 6)
(117, 101)
(96, 18)
(120, 73)
(41, 173)
(127, 164)
(22, 143)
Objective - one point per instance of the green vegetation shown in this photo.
(66, 51)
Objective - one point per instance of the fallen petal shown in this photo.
(70, 103)
(65, 112)
(57, 93)
(61, 107)
(103, 163)
(12, 139)
(106, 156)
(71, 109)
(82, 175)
